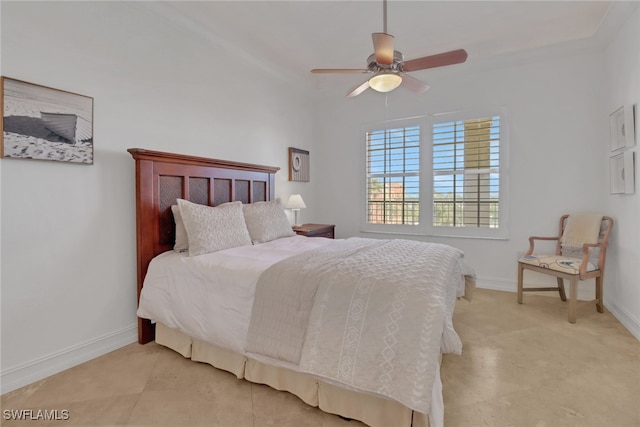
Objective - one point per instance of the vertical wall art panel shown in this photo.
(622, 163)
(298, 165)
(616, 174)
(632, 119)
(629, 172)
(622, 128)
(43, 123)
(622, 173)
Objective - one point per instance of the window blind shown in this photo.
(393, 178)
(466, 173)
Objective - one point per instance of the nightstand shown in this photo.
(316, 230)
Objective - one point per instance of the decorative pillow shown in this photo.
(266, 221)
(211, 229)
(182, 243)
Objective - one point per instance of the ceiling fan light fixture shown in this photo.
(389, 67)
(385, 82)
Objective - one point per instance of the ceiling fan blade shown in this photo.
(358, 90)
(383, 48)
(414, 84)
(433, 61)
(339, 70)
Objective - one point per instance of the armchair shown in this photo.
(581, 249)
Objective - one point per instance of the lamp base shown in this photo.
(296, 218)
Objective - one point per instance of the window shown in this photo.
(440, 175)
(393, 176)
(466, 173)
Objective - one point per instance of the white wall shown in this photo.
(68, 231)
(558, 143)
(556, 149)
(622, 84)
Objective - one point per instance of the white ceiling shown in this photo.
(300, 35)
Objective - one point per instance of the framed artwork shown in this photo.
(298, 165)
(629, 172)
(616, 174)
(43, 123)
(631, 141)
(622, 128)
(622, 173)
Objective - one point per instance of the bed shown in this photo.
(241, 299)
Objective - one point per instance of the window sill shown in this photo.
(424, 234)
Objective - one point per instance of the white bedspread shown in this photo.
(210, 297)
(368, 314)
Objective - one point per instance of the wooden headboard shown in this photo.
(161, 178)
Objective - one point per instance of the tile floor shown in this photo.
(522, 365)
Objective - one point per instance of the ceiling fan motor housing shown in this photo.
(374, 66)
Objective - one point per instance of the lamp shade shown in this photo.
(385, 82)
(295, 202)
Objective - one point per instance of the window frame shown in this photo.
(415, 229)
(425, 225)
(500, 232)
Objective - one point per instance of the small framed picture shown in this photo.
(622, 128)
(44, 123)
(616, 174)
(622, 173)
(298, 165)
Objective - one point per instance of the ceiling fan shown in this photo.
(389, 68)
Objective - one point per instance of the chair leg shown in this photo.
(599, 301)
(520, 277)
(573, 298)
(563, 295)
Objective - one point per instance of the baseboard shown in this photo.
(53, 363)
(629, 322)
(496, 284)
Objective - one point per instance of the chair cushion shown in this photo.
(557, 263)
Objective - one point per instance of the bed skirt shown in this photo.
(371, 410)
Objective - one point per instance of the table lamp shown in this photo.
(296, 203)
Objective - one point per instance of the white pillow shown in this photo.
(182, 242)
(266, 221)
(211, 229)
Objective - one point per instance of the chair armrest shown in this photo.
(533, 238)
(585, 255)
